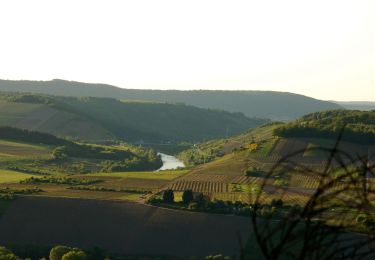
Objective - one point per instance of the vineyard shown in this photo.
(304, 181)
(199, 186)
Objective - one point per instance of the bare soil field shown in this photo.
(121, 227)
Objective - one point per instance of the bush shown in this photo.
(75, 254)
(217, 257)
(281, 183)
(254, 172)
(193, 206)
(5, 254)
(187, 196)
(277, 203)
(58, 252)
(168, 196)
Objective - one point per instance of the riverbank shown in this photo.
(170, 162)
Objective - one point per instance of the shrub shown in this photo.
(281, 183)
(58, 252)
(277, 203)
(187, 196)
(5, 254)
(217, 257)
(254, 172)
(193, 206)
(75, 254)
(168, 196)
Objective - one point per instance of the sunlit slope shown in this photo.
(235, 168)
(264, 146)
(208, 151)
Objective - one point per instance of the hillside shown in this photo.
(359, 126)
(213, 149)
(263, 104)
(234, 168)
(276, 140)
(98, 119)
(41, 153)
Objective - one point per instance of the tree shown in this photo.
(75, 254)
(57, 252)
(5, 254)
(187, 196)
(277, 203)
(168, 196)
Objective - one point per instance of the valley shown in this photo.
(268, 169)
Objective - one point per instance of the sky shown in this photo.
(323, 49)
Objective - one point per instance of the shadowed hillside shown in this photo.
(264, 104)
(100, 119)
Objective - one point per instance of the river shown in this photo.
(170, 162)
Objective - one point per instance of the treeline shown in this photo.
(90, 151)
(359, 126)
(61, 252)
(60, 180)
(55, 253)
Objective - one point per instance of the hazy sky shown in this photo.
(324, 49)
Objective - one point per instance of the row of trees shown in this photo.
(56, 253)
(60, 180)
(200, 202)
(187, 196)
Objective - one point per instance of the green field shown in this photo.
(12, 176)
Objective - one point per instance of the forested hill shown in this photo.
(263, 104)
(359, 126)
(106, 118)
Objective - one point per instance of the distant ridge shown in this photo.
(262, 104)
(357, 105)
